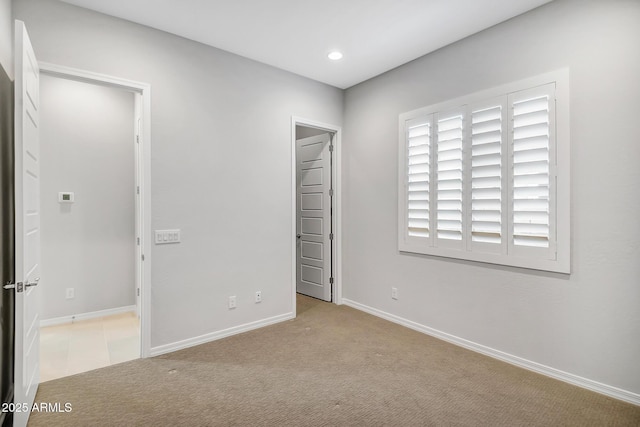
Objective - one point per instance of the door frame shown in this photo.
(336, 218)
(142, 102)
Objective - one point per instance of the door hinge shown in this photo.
(142, 257)
(138, 189)
(138, 240)
(331, 148)
(331, 192)
(331, 280)
(138, 139)
(138, 291)
(17, 286)
(330, 236)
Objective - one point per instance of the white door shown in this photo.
(313, 158)
(27, 224)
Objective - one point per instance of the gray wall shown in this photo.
(305, 132)
(6, 37)
(87, 147)
(588, 323)
(221, 162)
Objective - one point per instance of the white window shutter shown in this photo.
(488, 216)
(418, 137)
(531, 184)
(449, 184)
(485, 177)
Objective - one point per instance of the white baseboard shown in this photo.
(213, 336)
(85, 316)
(588, 384)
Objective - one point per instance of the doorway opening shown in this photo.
(95, 220)
(316, 192)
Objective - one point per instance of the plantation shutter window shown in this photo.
(485, 177)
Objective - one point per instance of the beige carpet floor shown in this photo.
(331, 366)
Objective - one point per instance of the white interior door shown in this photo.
(27, 224)
(313, 158)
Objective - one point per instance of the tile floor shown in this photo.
(89, 344)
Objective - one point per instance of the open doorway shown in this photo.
(316, 183)
(92, 224)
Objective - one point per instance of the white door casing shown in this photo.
(27, 225)
(138, 206)
(313, 219)
(142, 106)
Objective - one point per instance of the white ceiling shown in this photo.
(296, 35)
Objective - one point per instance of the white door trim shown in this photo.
(337, 205)
(144, 166)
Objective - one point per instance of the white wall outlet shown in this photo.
(167, 236)
(232, 302)
(70, 294)
(394, 293)
(258, 296)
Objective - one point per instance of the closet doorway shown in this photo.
(316, 196)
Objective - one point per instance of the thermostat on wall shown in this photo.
(65, 197)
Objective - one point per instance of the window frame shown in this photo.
(554, 259)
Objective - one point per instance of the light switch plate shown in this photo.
(163, 237)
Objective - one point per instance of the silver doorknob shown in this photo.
(34, 283)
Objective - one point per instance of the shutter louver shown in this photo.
(418, 154)
(531, 142)
(449, 178)
(486, 175)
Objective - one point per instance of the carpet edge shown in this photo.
(213, 336)
(605, 389)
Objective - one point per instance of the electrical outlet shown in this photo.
(232, 302)
(258, 296)
(70, 293)
(394, 293)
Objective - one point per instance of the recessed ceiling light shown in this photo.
(335, 55)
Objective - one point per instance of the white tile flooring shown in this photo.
(90, 344)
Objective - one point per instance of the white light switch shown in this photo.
(167, 236)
